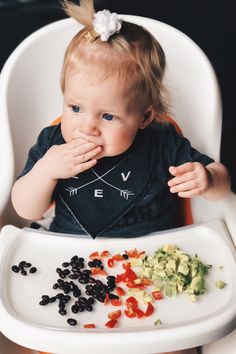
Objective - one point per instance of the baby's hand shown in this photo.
(69, 159)
(191, 179)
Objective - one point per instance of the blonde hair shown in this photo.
(133, 54)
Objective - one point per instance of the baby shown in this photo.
(113, 165)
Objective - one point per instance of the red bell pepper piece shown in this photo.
(110, 262)
(94, 255)
(149, 310)
(157, 295)
(89, 325)
(126, 265)
(129, 313)
(120, 291)
(132, 253)
(114, 315)
(139, 313)
(99, 271)
(111, 323)
(118, 257)
(105, 254)
(131, 302)
(116, 302)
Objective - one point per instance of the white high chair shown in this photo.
(30, 99)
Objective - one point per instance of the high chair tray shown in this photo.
(183, 323)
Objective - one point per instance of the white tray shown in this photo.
(184, 323)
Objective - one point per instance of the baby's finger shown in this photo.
(83, 149)
(84, 166)
(87, 155)
(189, 194)
(73, 144)
(180, 179)
(183, 187)
(179, 170)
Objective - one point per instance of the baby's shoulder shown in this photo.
(51, 135)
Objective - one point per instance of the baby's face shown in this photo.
(100, 112)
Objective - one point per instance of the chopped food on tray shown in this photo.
(22, 268)
(140, 282)
(220, 284)
(173, 271)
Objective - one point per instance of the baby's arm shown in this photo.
(192, 179)
(32, 193)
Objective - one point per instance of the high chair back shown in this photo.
(30, 98)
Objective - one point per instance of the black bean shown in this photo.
(45, 297)
(59, 296)
(23, 272)
(73, 276)
(75, 309)
(22, 264)
(81, 308)
(66, 289)
(113, 296)
(65, 264)
(111, 287)
(90, 264)
(43, 302)
(61, 305)
(33, 270)
(125, 256)
(111, 277)
(91, 280)
(100, 298)
(82, 300)
(74, 258)
(86, 272)
(15, 269)
(62, 275)
(53, 299)
(77, 293)
(67, 297)
(55, 286)
(27, 265)
(81, 265)
(91, 300)
(72, 322)
(83, 280)
(88, 307)
(62, 312)
(99, 282)
(66, 272)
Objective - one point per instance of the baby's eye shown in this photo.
(76, 109)
(107, 116)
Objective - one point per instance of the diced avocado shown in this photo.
(183, 268)
(220, 284)
(169, 249)
(136, 262)
(171, 265)
(173, 271)
(197, 284)
(193, 298)
(170, 290)
(157, 322)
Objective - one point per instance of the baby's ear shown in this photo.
(149, 115)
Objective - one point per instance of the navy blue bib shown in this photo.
(100, 196)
